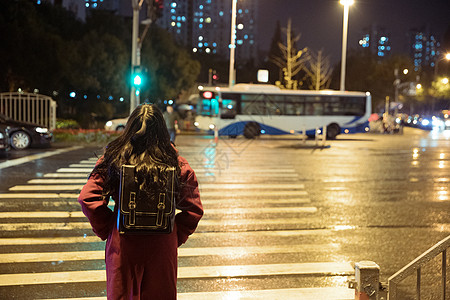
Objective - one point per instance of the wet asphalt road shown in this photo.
(276, 201)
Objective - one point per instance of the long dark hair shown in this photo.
(145, 143)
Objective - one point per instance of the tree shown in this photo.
(275, 73)
(291, 61)
(319, 71)
(170, 67)
(366, 73)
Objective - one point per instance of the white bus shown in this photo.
(255, 109)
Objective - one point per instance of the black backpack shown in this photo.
(142, 212)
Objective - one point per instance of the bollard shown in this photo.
(216, 134)
(367, 275)
(324, 136)
(304, 136)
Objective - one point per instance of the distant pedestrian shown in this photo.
(141, 266)
(172, 122)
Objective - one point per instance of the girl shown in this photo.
(140, 266)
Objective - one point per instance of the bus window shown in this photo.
(252, 104)
(228, 109)
(230, 105)
(262, 104)
(208, 107)
(204, 107)
(294, 109)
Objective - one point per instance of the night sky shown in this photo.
(320, 21)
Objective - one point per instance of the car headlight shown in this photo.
(196, 124)
(108, 124)
(211, 126)
(447, 123)
(41, 129)
(1, 135)
(425, 122)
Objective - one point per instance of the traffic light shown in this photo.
(155, 9)
(215, 77)
(137, 77)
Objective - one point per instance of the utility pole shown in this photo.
(134, 96)
(231, 77)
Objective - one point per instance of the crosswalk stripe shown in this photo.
(204, 194)
(38, 195)
(203, 225)
(250, 186)
(66, 187)
(74, 170)
(219, 177)
(198, 235)
(232, 186)
(68, 175)
(218, 211)
(29, 158)
(267, 172)
(57, 181)
(318, 268)
(272, 193)
(182, 252)
(329, 293)
(207, 203)
(244, 171)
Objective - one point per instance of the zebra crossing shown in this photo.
(254, 235)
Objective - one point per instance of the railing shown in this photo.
(30, 108)
(367, 276)
(416, 265)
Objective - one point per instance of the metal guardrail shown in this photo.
(416, 265)
(29, 107)
(367, 283)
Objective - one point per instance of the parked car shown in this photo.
(23, 135)
(4, 138)
(116, 124)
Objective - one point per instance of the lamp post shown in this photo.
(231, 78)
(446, 57)
(346, 4)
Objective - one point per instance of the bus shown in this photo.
(252, 110)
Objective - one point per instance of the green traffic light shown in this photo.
(137, 80)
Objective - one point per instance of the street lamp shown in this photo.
(346, 4)
(231, 78)
(446, 57)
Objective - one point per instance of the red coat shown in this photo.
(142, 267)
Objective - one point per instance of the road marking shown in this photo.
(329, 293)
(204, 194)
(57, 181)
(226, 194)
(65, 187)
(26, 159)
(40, 196)
(74, 170)
(206, 202)
(218, 211)
(243, 235)
(266, 172)
(67, 175)
(182, 252)
(49, 241)
(83, 165)
(250, 186)
(218, 185)
(203, 225)
(319, 268)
